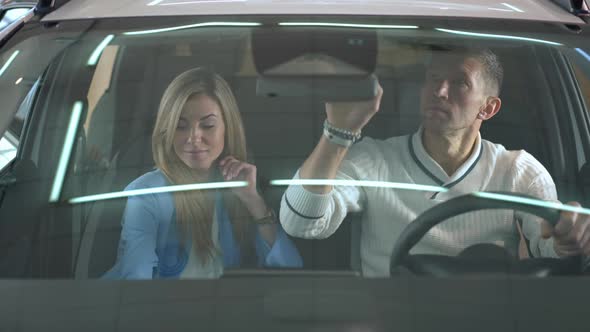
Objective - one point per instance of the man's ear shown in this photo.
(491, 107)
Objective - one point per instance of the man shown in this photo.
(461, 91)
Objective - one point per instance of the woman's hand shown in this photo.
(233, 169)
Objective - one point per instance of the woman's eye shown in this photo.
(182, 124)
(207, 125)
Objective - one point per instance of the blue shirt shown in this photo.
(150, 248)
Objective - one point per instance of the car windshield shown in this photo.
(110, 162)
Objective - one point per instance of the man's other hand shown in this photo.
(571, 234)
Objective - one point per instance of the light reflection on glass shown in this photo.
(500, 9)
(198, 1)
(197, 25)
(516, 9)
(582, 53)
(158, 190)
(66, 152)
(358, 183)
(155, 2)
(427, 188)
(98, 51)
(532, 201)
(488, 35)
(9, 62)
(347, 25)
(8, 148)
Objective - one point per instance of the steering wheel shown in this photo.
(479, 258)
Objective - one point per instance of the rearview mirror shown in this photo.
(333, 64)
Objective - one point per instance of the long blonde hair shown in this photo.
(194, 209)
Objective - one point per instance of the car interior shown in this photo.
(122, 91)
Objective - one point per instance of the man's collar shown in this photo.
(433, 169)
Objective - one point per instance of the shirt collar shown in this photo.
(433, 169)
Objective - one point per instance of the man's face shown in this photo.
(453, 94)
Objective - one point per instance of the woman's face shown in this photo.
(200, 133)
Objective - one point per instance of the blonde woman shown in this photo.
(199, 137)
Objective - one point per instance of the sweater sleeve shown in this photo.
(144, 217)
(537, 183)
(139, 238)
(317, 216)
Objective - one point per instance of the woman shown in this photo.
(199, 138)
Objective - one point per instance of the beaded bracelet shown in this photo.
(343, 132)
(340, 136)
(337, 139)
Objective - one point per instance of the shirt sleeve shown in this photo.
(541, 186)
(138, 258)
(282, 253)
(317, 216)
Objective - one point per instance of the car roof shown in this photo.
(539, 10)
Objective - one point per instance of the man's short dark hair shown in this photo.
(493, 71)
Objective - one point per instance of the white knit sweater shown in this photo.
(387, 211)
